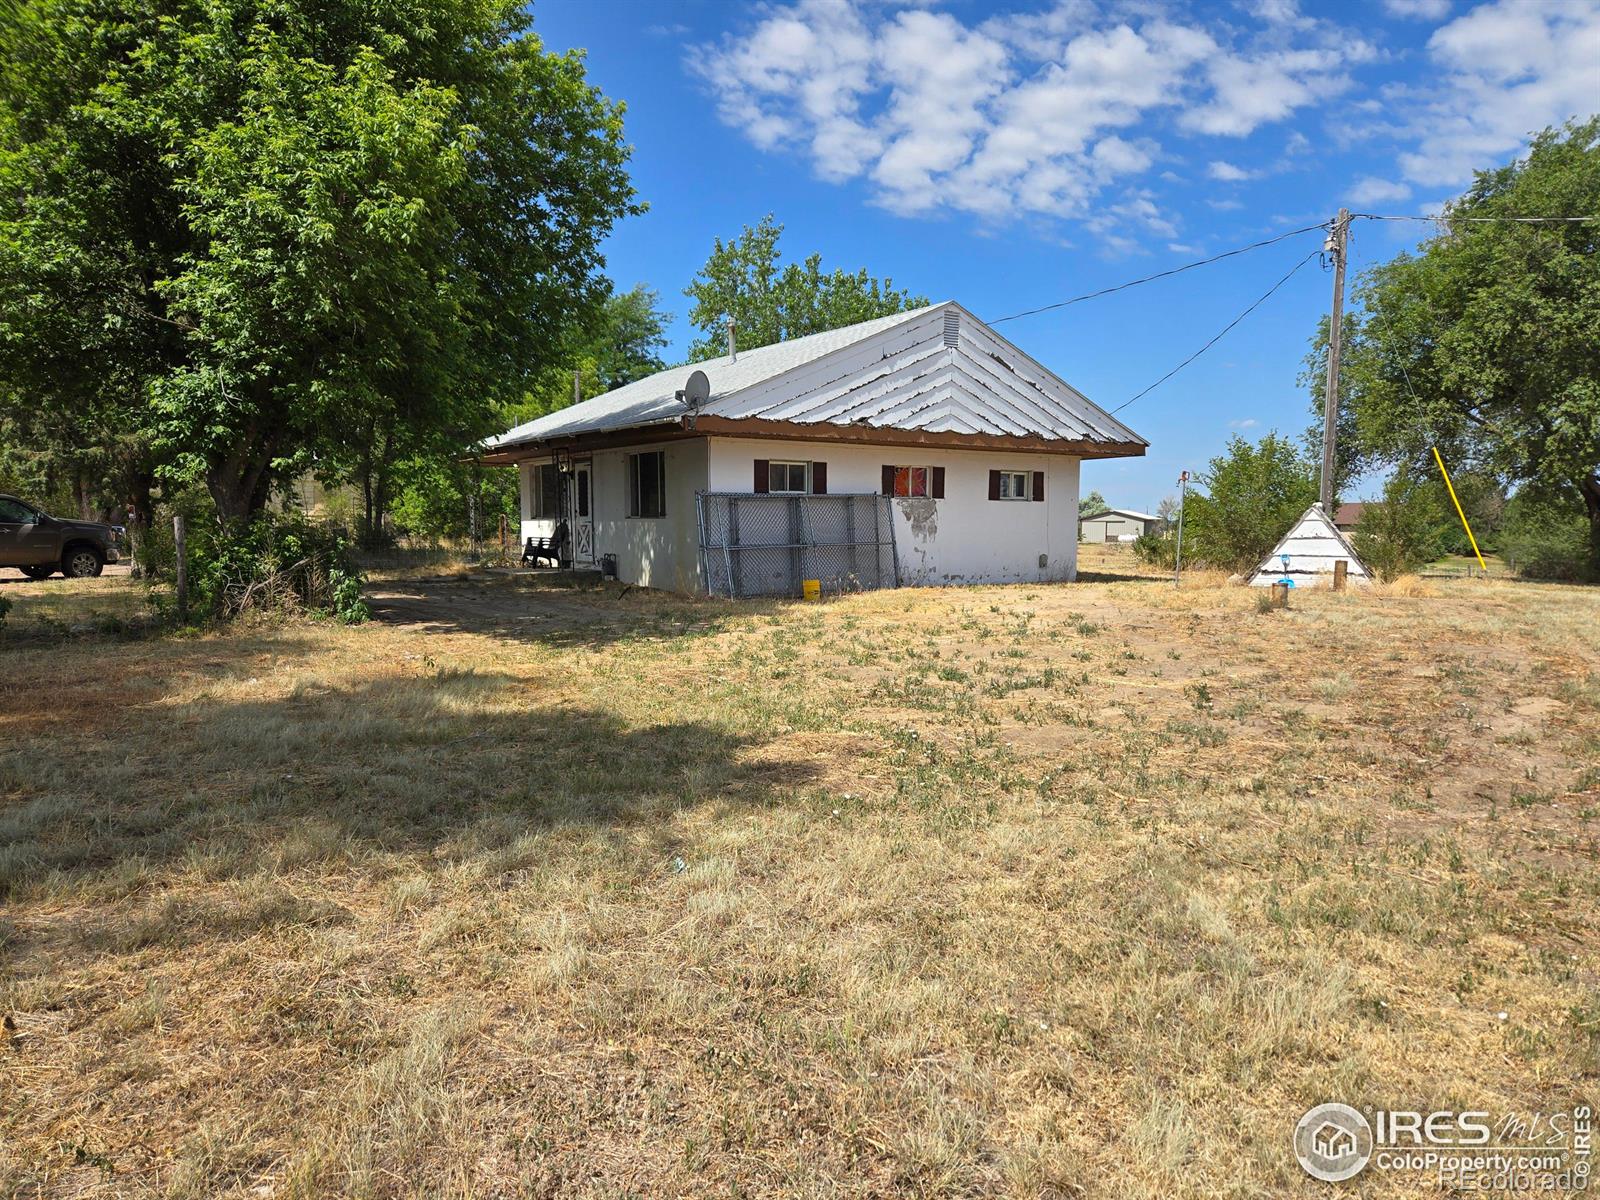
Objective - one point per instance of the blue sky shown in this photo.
(1007, 155)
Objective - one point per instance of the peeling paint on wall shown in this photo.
(923, 514)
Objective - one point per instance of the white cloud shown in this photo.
(1417, 10)
(1065, 113)
(1248, 92)
(1507, 70)
(1247, 423)
(1226, 172)
(1378, 191)
(1013, 115)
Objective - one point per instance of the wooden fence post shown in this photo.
(1339, 569)
(1280, 595)
(505, 547)
(183, 569)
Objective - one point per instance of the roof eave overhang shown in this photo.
(864, 434)
(821, 431)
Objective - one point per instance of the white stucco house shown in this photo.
(938, 442)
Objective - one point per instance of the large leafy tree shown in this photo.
(742, 279)
(1405, 529)
(627, 342)
(1486, 342)
(1253, 493)
(437, 494)
(283, 235)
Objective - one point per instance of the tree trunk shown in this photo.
(1590, 487)
(241, 482)
(83, 495)
(137, 516)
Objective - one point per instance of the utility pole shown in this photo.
(1183, 494)
(1337, 244)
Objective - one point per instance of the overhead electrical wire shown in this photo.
(1204, 262)
(1220, 334)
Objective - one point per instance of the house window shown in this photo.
(647, 484)
(791, 478)
(546, 492)
(911, 481)
(1016, 485)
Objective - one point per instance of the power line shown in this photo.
(1221, 334)
(1158, 275)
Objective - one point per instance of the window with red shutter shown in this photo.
(819, 479)
(1038, 485)
(938, 483)
(762, 479)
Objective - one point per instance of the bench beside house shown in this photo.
(975, 446)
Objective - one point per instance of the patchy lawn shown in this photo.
(1083, 890)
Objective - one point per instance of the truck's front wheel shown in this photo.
(80, 562)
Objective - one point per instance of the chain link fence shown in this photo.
(753, 545)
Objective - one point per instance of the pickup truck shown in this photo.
(39, 545)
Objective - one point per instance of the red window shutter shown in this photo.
(819, 479)
(994, 485)
(1038, 485)
(763, 476)
(937, 489)
(888, 480)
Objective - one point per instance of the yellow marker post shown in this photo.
(1450, 487)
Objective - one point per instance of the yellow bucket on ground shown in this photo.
(811, 589)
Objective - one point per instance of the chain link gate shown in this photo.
(767, 545)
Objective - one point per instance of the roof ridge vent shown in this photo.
(952, 327)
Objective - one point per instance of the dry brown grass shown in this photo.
(1031, 891)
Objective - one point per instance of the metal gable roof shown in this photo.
(1122, 512)
(934, 369)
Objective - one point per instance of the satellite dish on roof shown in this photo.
(697, 391)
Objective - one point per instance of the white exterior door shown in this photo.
(583, 512)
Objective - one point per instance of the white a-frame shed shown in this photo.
(960, 452)
(1308, 552)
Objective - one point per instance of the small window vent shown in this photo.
(952, 327)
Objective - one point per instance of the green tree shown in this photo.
(1404, 530)
(436, 493)
(298, 237)
(1253, 494)
(1543, 539)
(628, 339)
(1092, 505)
(769, 303)
(1486, 342)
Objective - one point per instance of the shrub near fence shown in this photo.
(275, 563)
